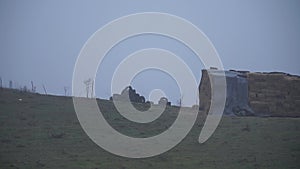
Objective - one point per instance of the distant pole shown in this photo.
(66, 90)
(32, 87)
(0, 82)
(45, 89)
(92, 94)
(11, 84)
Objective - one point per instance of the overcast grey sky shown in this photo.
(40, 40)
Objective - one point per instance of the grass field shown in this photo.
(44, 132)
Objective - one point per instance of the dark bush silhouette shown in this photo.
(163, 101)
(131, 93)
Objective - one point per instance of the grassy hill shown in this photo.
(43, 132)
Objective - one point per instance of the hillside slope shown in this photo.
(40, 131)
